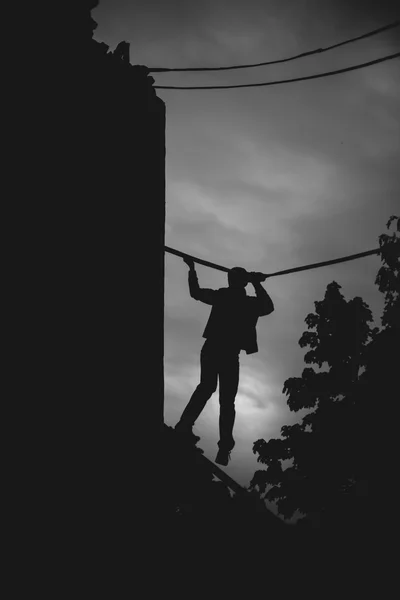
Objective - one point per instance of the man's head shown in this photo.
(238, 278)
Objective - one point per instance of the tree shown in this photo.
(328, 449)
(382, 358)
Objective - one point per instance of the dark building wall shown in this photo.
(124, 213)
(120, 200)
(100, 182)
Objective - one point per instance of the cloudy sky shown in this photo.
(266, 178)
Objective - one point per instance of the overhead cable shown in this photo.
(325, 263)
(246, 85)
(281, 60)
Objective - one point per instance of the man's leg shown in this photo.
(228, 387)
(203, 392)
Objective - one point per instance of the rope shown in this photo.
(281, 60)
(325, 263)
(245, 85)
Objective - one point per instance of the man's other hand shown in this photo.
(256, 277)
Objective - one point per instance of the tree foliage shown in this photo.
(352, 366)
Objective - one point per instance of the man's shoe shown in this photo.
(187, 435)
(223, 457)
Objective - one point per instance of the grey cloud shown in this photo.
(309, 18)
(184, 328)
(350, 229)
(216, 237)
(235, 188)
(147, 19)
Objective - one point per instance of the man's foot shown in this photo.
(223, 457)
(187, 434)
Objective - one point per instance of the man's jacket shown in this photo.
(234, 315)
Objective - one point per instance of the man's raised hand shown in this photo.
(189, 262)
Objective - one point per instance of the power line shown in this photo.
(325, 263)
(195, 259)
(281, 60)
(245, 85)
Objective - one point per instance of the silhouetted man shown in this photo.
(231, 328)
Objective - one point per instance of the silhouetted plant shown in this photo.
(329, 447)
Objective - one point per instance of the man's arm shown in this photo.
(265, 304)
(203, 294)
